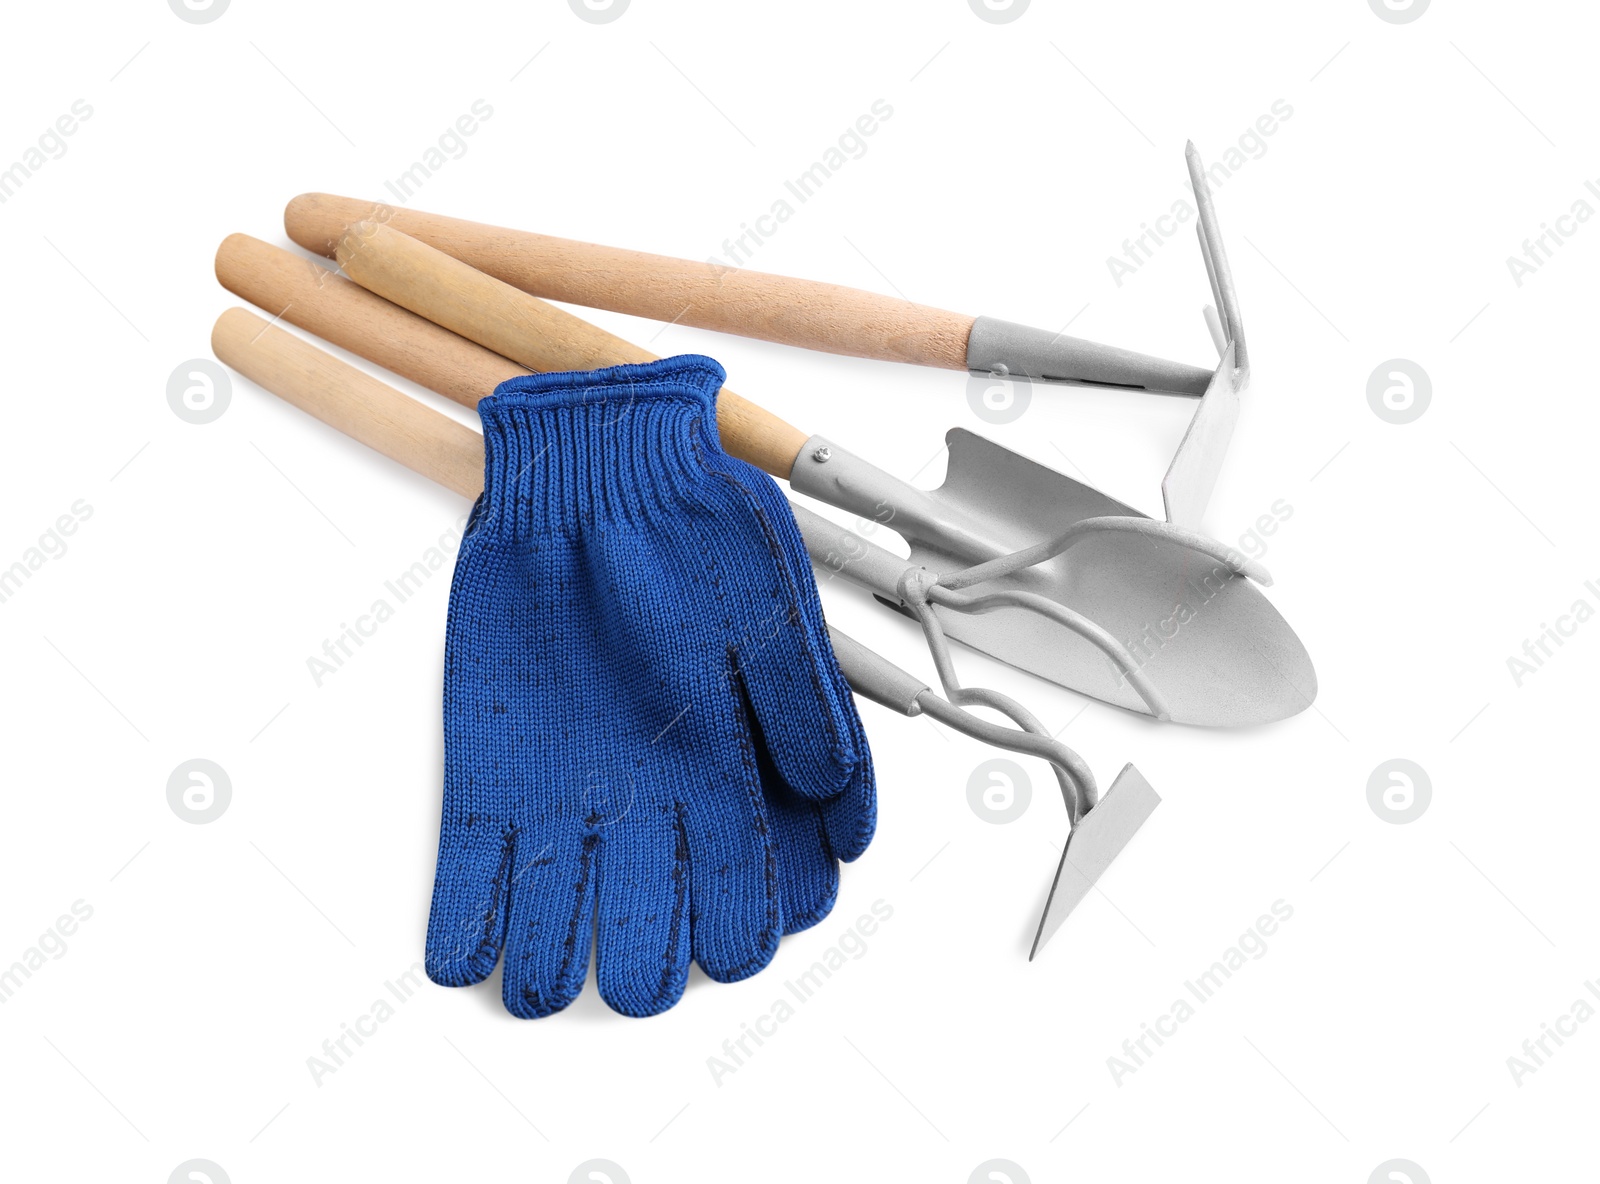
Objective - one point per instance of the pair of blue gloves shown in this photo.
(648, 742)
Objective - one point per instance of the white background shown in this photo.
(178, 1022)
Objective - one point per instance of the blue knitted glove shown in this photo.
(644, 723)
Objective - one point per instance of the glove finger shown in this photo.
(552, 918)
(737, 912)
(786, 660)
(851, 818)
(643, 955)
(808, 874)
(812, 838)
(806, 721)
(848, 819)
(471, 894)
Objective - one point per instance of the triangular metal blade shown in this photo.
(1186, 489)
(1099, 838)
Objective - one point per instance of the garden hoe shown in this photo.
(790, 311)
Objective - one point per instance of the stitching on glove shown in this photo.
(768, 771)
(494, 917)
(680, 902)
(569, 944)
(772, 930)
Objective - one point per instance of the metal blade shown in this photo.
(1098, 838)
(1212, 643)
(1192, 476)
(1187, 487)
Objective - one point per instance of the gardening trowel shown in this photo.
(1064, 581)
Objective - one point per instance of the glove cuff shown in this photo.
(562, 450)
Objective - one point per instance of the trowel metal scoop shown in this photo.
(1055, 578)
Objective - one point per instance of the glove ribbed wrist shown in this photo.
(564, 451)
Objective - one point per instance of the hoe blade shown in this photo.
(1198, 462)
(1099, 837)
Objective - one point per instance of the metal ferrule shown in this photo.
(1001, 347)
(839, 477)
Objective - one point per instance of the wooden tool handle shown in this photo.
(304, 293)
(350, 400)
(777, 308)
(293, 288)
(525, 329)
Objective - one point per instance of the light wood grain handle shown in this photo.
(778, 308)
(525, 329)
(351, 400)
(292, 288)
(304, 293)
